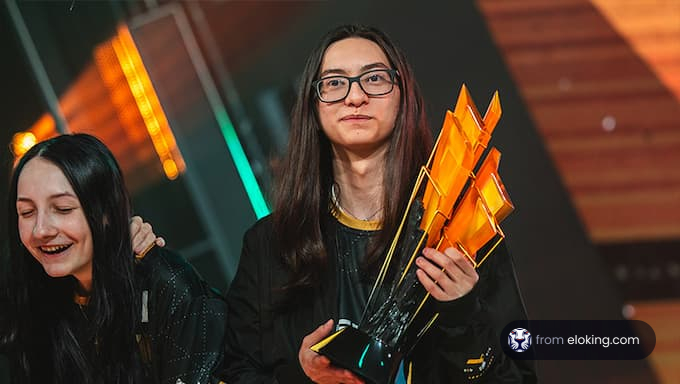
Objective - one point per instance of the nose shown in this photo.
(356, 95)
(44, 226)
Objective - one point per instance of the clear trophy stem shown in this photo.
(374, 351)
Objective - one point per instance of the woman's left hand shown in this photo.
(446, 276)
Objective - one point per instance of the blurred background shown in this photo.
(194, 97)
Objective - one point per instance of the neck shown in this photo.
(359, 182)
(81, 296)
(84, 287)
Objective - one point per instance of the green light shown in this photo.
(242, 165)
(363, 356)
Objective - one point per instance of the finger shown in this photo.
(146, 229)
(143, 242)
(454, 263)
(143, 236)
(439, 266)
(141, 230)
(318, 334)
(434, 271)
(342, 375)
(135, 224)
(143, 252)
(350, 378)
(160, 242)
(431, 286)
(448, 275)
(318, 361)
(461, 261)
(442, 287)
(313, 364)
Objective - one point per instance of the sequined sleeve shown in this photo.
(183, 320)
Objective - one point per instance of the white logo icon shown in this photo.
(519, 339)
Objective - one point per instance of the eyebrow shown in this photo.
(367, 67)
(54, 196)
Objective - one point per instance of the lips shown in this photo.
(54, 249)
(355, 117)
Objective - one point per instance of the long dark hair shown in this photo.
(305, 174)
(47, 345)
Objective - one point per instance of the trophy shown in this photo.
(453, 203)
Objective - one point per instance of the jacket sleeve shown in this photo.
(463, 346)
(187, 320)
(249, 321)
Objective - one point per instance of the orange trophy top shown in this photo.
(464, 209)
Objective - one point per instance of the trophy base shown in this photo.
(370, 359)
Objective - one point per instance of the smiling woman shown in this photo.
(52, 224)
(80, 308)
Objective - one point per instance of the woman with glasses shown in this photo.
(358, 138)
(77, 306)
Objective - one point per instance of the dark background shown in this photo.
(254, 52)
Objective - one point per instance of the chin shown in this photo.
(55, 272)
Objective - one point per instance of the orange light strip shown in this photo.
(147, 101)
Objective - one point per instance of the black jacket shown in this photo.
(184, 334)
(180, 331)
(262, 342)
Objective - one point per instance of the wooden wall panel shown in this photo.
(609, 119)
(580, 65)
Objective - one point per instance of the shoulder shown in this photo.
(260, 260)
(167, 272)
(263, 229)
(260, 240)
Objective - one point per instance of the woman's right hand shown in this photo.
(142, 236)
(317, 367)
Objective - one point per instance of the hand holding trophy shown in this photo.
(454, 203)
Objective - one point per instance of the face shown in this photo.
(359, 123)
(52, 224)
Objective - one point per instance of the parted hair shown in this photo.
(46, 342)
(304, 177)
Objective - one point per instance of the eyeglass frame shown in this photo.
(355, 79)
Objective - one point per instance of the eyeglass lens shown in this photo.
(373, 83)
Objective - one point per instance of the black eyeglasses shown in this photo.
(376, 82)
